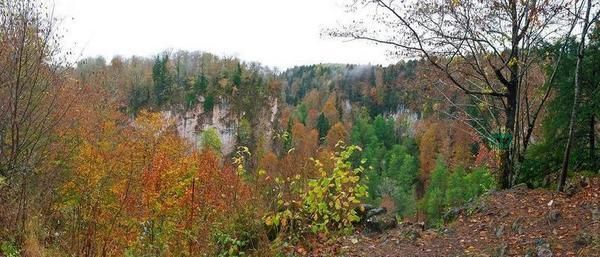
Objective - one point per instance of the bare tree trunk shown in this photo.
(578, 68)
(508, 156)
(593, 143)
(190, 241)
(448, 30)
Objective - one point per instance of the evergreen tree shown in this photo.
(322, 127)
(457, 188)
(362, 131)
(200, 85)
(162, 80)
(287, 137)
(544, 156)
(401, 170)
(236, 76)
(209, 103)
(138, 98)
(198, 88)
(384, 130)
(435, 196)
(302, 113)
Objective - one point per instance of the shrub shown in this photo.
(458, 189)
(238, 234)
(448, 190)
(211, 140)
(325, 203)
(228, 245)
(479, 181)
(9, 249)
(330, 199)
(435, 196)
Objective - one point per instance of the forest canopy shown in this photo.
(195, 154)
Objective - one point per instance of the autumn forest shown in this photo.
(191, 153)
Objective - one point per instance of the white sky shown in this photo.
(277, 33)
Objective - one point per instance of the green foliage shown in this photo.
(322, 127)
(374, 155)
(199, 87)
(244, 133)
(362, 132)
(209, 103)
(326, 203)
(330, 199)
(384, 130)
(211, 140)
(454, 189)
(435, 196)
(236, 75)
(393, 167)
(239, 234)
(401, 172)
(228, 246)
(138, 97)
(9, 249)
(544, 156)
(434, 205)
(457, 190)
(162, 80)
(478, 182)
(302, 113)
(401, 166)
(351, 80)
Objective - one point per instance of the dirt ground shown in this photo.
(515, 222)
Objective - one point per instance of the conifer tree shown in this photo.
(322, 127)
(162, 80)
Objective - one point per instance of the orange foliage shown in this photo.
(311, 120)
(306, 142)
(127, 173)
(453, 141)
(433, 140)
(214, 191)
(330, 110)
(462, 138)
(336, 133)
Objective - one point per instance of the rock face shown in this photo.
(190, 124)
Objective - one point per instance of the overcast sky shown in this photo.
(277, 33)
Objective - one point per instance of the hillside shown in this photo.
(515, 222)
(451, 150)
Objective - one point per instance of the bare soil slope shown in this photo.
(515, 222)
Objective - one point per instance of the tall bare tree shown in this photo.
(487, 49)
(31, 76)
(587, 21)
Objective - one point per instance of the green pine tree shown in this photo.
(322, 127)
